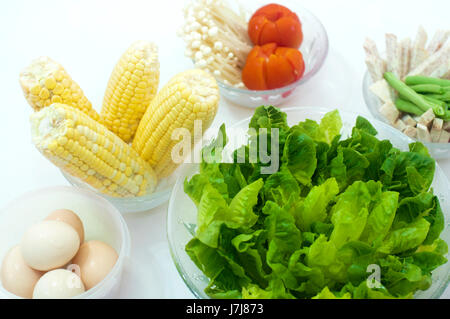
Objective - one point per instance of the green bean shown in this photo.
(419, 79)
(412, 96)
(428, 88)
(408, 107)
(446, 116)
(436, 101)
(442, 97)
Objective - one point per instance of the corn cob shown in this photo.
(189, 96)
(45, 82)
(132, 85)
(86, 149)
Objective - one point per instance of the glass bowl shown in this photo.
(437, 150)
(182, 213)
(314, 49)
(101, 221)
(132, 204)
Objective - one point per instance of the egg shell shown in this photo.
(49, 244)
(16, 276)
(58, 284)
(69, 217)
(95, 260)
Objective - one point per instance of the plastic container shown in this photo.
(182, 213)
(314, 49)
(132, 204)
(437, 150)
(101, 220)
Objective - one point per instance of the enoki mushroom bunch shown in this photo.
(216, 39)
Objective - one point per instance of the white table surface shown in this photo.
(87, 38)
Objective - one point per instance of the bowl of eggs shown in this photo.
(62, 242)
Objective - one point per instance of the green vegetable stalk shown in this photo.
(428, 88)
(446, 116)
(442, 97)
(436, 101)
(418, 80)
(408, 107)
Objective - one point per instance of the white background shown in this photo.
(87, 38)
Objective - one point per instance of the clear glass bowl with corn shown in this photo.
(124, 153)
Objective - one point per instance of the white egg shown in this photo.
(17, 277)
(49, 244)
(58, 284)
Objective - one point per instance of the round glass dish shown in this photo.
(437, 150)
(182, 213)
(101, 221)
(132, 204)
(314, 49)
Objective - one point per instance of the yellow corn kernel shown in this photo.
(190, 96)
(68, 137)
(132, 85)
(45, 82)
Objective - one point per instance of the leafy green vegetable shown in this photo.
(314, 207)
(327, 294)
(405, 238)
(316, 226)
(299, 156)
(381, 217)
(269, 117)
(350, 213)
(364, 125)
(325, 131)
(213, 211)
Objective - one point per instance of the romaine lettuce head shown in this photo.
(340, 218)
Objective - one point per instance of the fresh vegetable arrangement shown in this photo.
(258, 54)
(336, 208)
(126, 149)
(411, 83)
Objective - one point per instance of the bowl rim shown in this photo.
(367, 94)
(307, 76)
(173, 254)
(125, 249)
(158, 196)
(190, 166)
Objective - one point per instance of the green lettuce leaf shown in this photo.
(299, 156)
(279, 187)
(329, 127)
(405, 238)
(350, 213)
(364, 125)
(269, 117)
(327, 294)
(276, 290)
(213, 211)
(323, 255)
(381, 217)
(314, 207)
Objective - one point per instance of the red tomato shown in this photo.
(270, 67)
(275, 23)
